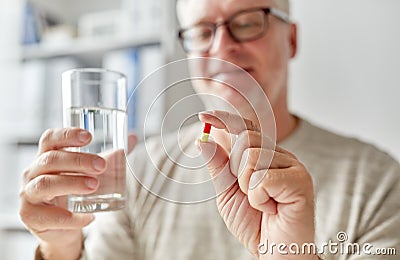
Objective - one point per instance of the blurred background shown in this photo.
(345, 76)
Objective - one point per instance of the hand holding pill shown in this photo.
(270, 186)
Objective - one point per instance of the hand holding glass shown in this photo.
(95, 100)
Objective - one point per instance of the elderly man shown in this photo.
(328, 188)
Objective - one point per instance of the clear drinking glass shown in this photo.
(95, 100)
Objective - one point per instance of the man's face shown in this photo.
(265, 59)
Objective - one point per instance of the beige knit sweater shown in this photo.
(357, 191)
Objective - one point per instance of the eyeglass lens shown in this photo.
(243, 26)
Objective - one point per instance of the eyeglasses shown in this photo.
(246, 25)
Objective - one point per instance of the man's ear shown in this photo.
(293, 40)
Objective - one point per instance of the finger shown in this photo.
(260, 199)
(292, 186)
(132, 142)
(63, 161)
(245, 140)
(217, 163)
(54, 139)
(255, 159)
(41, 218)
(232, 123)
(292, 168)
(46, 187)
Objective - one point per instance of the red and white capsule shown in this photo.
(206, 132)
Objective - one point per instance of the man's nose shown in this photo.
(223, 42)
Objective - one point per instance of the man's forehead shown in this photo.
(191, 11)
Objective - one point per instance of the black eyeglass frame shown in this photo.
(281, 15)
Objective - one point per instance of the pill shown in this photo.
(206, 132)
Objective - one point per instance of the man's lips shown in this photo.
(238, 79)
(230, 73)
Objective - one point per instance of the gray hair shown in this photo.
(282, 5)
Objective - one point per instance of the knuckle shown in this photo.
(42, 219)
(27, 215)
(64, 219)
(244, 139)
(24, 215)
(247, 151)
(300, 165)
(42, 183)
(267, 141)
(253, 152)
(49, 158)
(304, 174)
(268, 153)
(290, 154)
(247, 154)
(67, 133)
(300, 168)
(78, 160)
(26, 173)
(252, 155)
(47, 136)
(22, 193)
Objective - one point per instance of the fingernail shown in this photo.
(255, 179)
(83, 136)
(91, 183)
(206, 113)
(99, 164)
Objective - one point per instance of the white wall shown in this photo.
(10, 24)
(14, 244)
(347, 72)
(10, 19)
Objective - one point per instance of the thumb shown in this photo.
(214, 156)
(217, 160)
